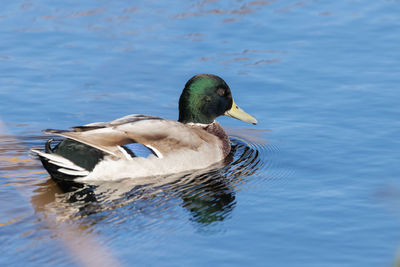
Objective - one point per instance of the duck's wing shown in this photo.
(162, 136)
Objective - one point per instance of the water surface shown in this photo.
(315, 183)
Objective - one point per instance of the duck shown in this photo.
(146, 146)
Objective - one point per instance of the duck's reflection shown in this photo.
(212, 206)
(208, 195)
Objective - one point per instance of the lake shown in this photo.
(314, 183)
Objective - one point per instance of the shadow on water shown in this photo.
(208, 195)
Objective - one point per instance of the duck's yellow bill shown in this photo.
(238, 113)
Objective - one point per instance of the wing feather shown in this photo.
(164, 135)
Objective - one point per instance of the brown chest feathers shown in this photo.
(216, 129)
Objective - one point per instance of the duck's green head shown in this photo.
(207, 96)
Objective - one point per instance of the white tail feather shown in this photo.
(74, 173)
(66, 166)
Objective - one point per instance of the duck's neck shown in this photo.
(202, 125)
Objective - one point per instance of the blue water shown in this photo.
(315, 183)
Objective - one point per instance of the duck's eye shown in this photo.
(221, 91)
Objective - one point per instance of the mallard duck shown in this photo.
(141, 146)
